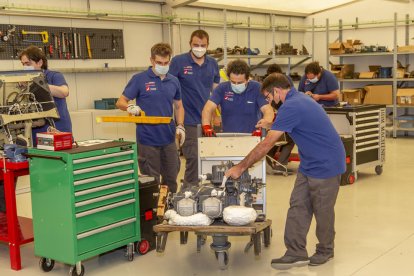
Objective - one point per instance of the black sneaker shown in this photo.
(320, 258)
(287, 262)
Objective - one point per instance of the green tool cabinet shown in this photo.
(85, 202)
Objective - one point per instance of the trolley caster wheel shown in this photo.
(130, 252)
(378, 169)
(350, 179)
(46, 264)
(74, 272)
(142, 247)
(223, 259)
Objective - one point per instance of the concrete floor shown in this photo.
(374, 225)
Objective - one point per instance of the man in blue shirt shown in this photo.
(320, 84)
(156, 92)
(240, 100)
(322, 156)
(198, 75)
(33, 58)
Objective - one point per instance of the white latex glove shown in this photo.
(180, 134)
(133, 109)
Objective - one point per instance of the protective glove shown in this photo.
(257, 132)
(180, 134)
(208, 131)
(134, 109)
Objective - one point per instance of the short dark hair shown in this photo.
(277, 80)
(200, 34)
(313, 68)
(161, 49)
(274, 68)
(238, 67)
(36, 54)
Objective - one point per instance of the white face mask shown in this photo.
(27, 67)
(238, 88)
(314, 80)
(161, 70)
(199, 51)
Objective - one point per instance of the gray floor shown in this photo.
(375, 233)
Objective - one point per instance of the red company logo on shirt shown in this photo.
(228, 96)
(188, 70)
(150, 86)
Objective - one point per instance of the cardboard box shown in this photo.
(405, 49)
(367, 75)
(400, 73)
(353, 96)
(378, 94)
(336, 48)
(343, 71)
(405, 96)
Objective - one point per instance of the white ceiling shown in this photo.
(291, 6)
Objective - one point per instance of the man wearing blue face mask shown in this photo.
(198, 74)
(157, 93)
(320, 84)
(242, 104)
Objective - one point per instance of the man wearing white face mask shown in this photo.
(156, 92)
(198, 75)
(320, 84)
(242, 104)
(32, 58)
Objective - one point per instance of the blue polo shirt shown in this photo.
(321, 151)
(239, 112)
(64, 123)
(156, 98)
(325, 85)
(196, 84)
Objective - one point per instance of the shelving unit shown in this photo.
(394, 81)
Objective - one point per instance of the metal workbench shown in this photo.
(366, 125)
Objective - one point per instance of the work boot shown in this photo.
(287, 262)
(320, 258)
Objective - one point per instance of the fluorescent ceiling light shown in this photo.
(297, 6)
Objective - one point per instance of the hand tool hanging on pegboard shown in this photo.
(10, 32)
(88, 46)
(44, 35)
(79, 45)
(75, 46)
(59, 48)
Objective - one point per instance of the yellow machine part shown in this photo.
(142, 119)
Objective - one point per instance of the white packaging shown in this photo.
(198, 219)
(239, 215)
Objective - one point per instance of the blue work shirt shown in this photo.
(325, 85)
(196, 84)
(64, 123)
(239, 112)
(155, 97)
(321, 151)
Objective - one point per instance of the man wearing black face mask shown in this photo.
(320, 84)
(284, 150)
(322, 156)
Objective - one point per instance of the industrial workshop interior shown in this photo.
(206, 137)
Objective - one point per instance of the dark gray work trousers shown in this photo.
(190, 152)
(162, 161)
(311, 197)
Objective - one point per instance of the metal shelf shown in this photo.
(100, 69)
(366, 80)
(400, 106)
(365, 54)
(405, 128)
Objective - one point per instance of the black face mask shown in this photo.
(276, 105)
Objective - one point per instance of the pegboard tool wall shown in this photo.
(62, 42)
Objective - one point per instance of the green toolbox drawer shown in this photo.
(105, 216)
(103, 170)
(104, 190)
(103, 180)
(101, 237)
(98, 158)
(101, 202)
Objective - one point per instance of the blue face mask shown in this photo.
(238, 88)
(161, 70)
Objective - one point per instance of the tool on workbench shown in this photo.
(88, 46)
(43, 34)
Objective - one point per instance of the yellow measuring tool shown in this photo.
(43, 34)
(88, 46)
(142, 119)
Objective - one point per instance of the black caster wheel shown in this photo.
(223, 259)
(46, 264)
(130, 252)
(74, 272)
(142, 247)
(378, 169)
